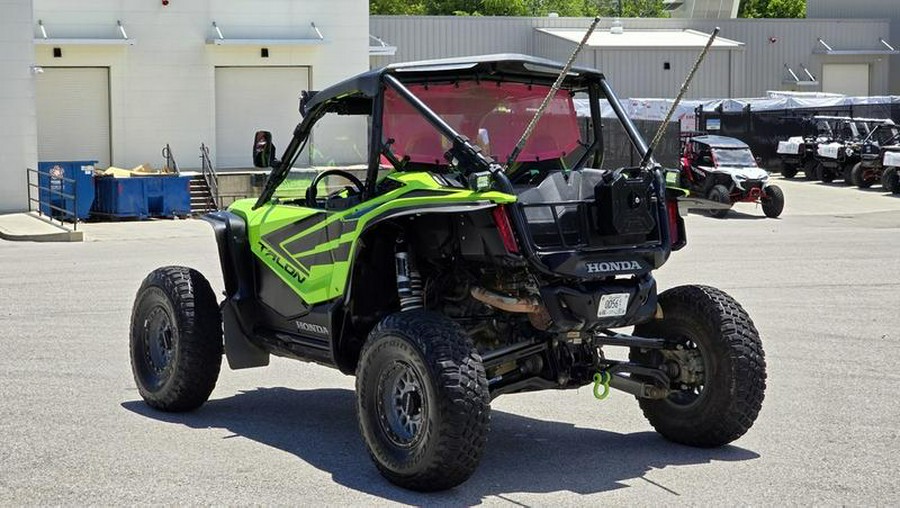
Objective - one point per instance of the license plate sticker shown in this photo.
(613, 305)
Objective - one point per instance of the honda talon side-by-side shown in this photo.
(458, 267)
(724, 170)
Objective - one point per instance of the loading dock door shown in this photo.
(848, 79)
(73, 114)
(249, 99)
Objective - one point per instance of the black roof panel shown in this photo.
(500, 66)
(720, 141)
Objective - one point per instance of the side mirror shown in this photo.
(263, 150)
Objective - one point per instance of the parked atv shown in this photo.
(455, 279)
(878, 153)
(724, 169)
(838, 155)
(799, 152)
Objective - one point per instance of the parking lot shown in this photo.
(822, 285)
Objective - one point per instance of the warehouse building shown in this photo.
(116, 81)
(888, 10)
(650, 57)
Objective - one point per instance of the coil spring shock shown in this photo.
(409, 282)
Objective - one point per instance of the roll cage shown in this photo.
(364, 95)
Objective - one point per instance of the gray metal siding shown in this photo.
(855, 9)
(876, 9)
(756, 69)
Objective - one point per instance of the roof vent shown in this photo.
(616, 27)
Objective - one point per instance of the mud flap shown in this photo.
(239, 350)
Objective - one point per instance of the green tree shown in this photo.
(630, 8)
(396, 7)
(772, 9)
(606, 8)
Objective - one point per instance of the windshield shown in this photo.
(492, 115)
(741, 157)
(823, 128)
(885, 135)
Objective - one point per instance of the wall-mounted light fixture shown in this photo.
(314, 27)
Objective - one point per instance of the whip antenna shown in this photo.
(553, 89)
(684, 89)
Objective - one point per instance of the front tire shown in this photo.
(720, 194)
(719, 337)
(788, 170)
(773, 203)
(176, 339)
(890, 180)
(826, 175)
(422, 401)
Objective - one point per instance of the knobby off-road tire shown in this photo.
(788, 170)
(890, 180)
(773, 203)
(847, 175)
(734, 368)
(809, 169)
(824, 174)
(719, 193)
(176, 339)
(422, 401)
(857, 177)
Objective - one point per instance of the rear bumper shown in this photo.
(578, 309)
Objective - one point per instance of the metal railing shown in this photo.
(170, 159)
(209, 176)
(57, 185)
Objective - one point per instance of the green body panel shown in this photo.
(311, 249)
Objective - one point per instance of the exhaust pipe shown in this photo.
(537, 313)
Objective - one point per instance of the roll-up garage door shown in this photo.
(848, 79)
(249, 99)
(73, 114)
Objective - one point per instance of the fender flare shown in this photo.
(234, 253)
(237, 271)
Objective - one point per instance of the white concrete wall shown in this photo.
(18, 118)
(162, 89)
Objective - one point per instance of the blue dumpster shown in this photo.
(143, 196)
(58, 190)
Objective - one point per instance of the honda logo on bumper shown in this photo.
(613, 266)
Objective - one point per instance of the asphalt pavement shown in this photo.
(822, 285)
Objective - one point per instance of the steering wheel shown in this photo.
(312, 191)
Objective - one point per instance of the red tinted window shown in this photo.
(492, 116)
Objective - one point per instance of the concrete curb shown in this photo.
(27, 227)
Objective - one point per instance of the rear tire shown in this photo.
(723, 405)
(176, 339)
(422, 401)
(773, 203)
(890, 180)
(824, 174)
(847, 174)
(788, 170)
(719, 193)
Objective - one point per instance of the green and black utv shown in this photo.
(459, 266)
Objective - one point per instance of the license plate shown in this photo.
(613, 305)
